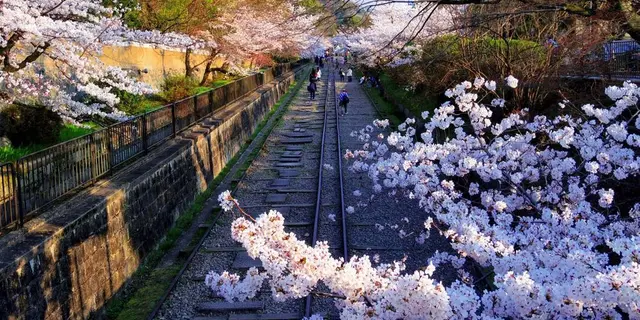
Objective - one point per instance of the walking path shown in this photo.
(384, 226)
(285, 176)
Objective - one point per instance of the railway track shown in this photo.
(297, 172)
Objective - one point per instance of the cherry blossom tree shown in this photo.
(71, 33)
(389, 30)
(539, 200)
(253, 31)
(241, 30)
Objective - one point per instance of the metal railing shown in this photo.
(622, 57)
(612, 59)
(38, 179)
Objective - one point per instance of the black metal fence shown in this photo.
(612, 59)
(622, 57)
(41, 178)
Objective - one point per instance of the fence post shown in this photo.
(210, 101)
(18, 194)
(173, 118)
(145, 143)
(195, 108)
(110, 148)
(94, 157)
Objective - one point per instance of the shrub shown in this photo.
(29, 125)
(448, 60)
(70, 131)
(176, 87)
(137, 104)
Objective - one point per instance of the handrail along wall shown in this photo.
(38, 179)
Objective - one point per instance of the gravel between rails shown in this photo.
(373, 229)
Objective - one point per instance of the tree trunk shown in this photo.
(207, 69)
(188, 70)
(207, 72)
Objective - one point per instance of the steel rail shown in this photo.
(318, 208)
(345, 253)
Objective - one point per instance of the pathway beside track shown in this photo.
(383, 226)
(299, 173)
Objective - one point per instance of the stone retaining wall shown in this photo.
(69, 261)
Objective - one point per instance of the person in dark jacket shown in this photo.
(312, 90)
(343, 100)
(313, 77)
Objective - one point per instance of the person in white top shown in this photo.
(319, 74)
(349, 75)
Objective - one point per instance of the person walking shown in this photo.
(321, 63)
(313, 76)
(341, 75)
(349, 74)
(343, 100)
(312, 90)
(319, 74)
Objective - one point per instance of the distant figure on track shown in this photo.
(312, 90)
(313, 77)
(319, 74)
(350, 75)
(321, 63)
(341, 75)
(343, 100)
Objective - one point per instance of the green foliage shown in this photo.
(137, 104)
(10, 154)
(140, 305)
(29, 125)
(387, 106)
(220, 82)
(187, 16)
(132, 16)
(70, 131)
(452, 47)
(199, 90)
(176, 87)
(311, 5)
(415, 102)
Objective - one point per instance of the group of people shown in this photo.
(316, 75)
(348, 74)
